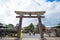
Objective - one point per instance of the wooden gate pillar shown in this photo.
(19, 28)
(40, 28)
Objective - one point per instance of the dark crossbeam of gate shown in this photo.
(30, 16)
(39, 20)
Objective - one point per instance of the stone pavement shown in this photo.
(32, 37)
(47, 38)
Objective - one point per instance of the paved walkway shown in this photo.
(32, 37)
(48, 38)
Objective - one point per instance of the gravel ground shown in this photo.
(32, 37)
(47, 38)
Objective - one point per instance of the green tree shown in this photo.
(43, 27)
(31, 27)
(26, 29)
(1, 24)
(10, 26)
(16, 26)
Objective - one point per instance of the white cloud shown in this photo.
(27, 21)
(7, 8)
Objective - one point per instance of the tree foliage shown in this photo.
(10, 26)
(29, 28)
(1, 23)
(43, 28)
(26, 29)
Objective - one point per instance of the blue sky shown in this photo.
(52, 0)
(8, 8)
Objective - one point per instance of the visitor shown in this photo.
(29, 33)
(33, 33)
(6, 33)
(1, 34)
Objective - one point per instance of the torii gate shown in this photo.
(21, 15)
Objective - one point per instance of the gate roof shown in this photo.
(28, 13)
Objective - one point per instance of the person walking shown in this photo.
(29, 33)
(34, 33)
(1, 34)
